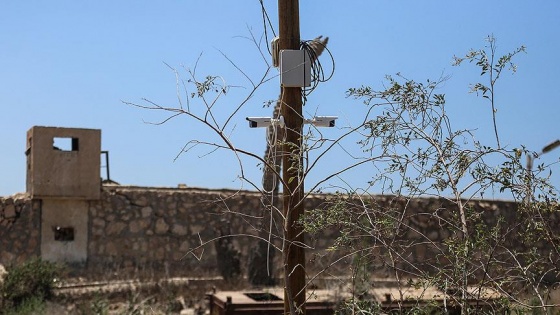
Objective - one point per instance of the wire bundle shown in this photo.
(314, 48)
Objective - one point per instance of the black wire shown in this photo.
(266, 18)
(317, 72)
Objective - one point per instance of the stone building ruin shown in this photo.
(63, 176)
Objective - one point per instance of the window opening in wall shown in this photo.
(264, 296)
(65, 144)
(63, 234)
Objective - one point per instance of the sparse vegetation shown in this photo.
(415, 150)
(419, 153)
(26, 287)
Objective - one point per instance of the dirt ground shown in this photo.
(169, 296)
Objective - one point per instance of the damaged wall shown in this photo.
(63, 162)
(64, 230)
(142, 231)
(20, 223)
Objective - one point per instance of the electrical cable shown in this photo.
(266, 19)
(314, 48)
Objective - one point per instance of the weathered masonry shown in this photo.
(68, 215)
(63, 177)
(63, 163)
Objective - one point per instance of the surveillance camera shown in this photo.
(324, 121)
(255, 122)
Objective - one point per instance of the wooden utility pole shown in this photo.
(294, 255)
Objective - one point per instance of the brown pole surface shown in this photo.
(294, 255)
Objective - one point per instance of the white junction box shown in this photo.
(295, 68)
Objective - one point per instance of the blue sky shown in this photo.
(72, 63)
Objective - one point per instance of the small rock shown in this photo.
(179, 230)
(146, 212)
(3, 272)
(188, 311)
(10, 211)
(115, 228)
(142, 201)
(161, 226)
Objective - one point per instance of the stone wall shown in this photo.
(142, 231)
(20, 224)
(154, 230)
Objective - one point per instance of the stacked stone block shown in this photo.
(20, 221)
